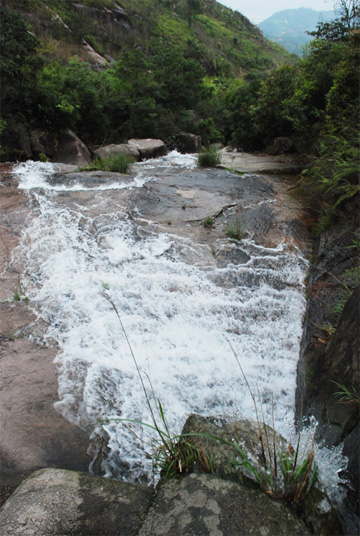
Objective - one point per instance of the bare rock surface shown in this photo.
(33, 434)
(71, 150)
(188, 143)
(58, 502)
(149, 148)
(207, 505)
(330, 348)
(114, 149)
(259, 163)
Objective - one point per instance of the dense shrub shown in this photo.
(209, 157)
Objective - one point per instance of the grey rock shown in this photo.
(207, 505)
(231, 254)
(246, 434)
(23, 140)
(149, 148)
(58, 502)
(114, 149)
(116, 16)
(222, 451)
(260, 163)
(71, 150)
(43, 141)
(217, 146)
(98, 61)
(327, 358)
(188, 143)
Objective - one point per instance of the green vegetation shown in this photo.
(209, 157)
(19, 294)
(234, 231)
(116, 163)
(208, 222)
(184, 65)
(316, 104)
(160, 56)
(347, 395)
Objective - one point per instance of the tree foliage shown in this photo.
(18, 59)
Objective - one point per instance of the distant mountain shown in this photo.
(287, 28)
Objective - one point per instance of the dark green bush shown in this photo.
(209, 157)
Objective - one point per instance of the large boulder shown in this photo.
(71, 150)
(98, 62)
(149, 148)
(58, 502)
(23, 140)
(113, 149)
(205, 504)
(188, 143)
(216, 441)
(43, 142)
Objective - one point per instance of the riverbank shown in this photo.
(33, 435)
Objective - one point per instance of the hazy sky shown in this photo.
(259, 10)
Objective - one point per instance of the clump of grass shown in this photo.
(286, 474)
(234, 231)
(208, 222)
(119, 163)
(347, 395)
(209, 157)
(19, 294)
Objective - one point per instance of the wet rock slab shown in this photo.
(260, 163)
(58, 502)
(32, 434)
(206, 505)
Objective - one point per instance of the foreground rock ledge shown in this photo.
(201, 504)
(60, 502)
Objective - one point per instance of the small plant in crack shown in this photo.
(208, 222)
(235, 231)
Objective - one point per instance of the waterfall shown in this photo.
(180, 308)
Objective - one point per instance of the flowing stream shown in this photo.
(89, 240)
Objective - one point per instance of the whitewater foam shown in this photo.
(179, 317)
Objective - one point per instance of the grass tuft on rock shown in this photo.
(234, 231)
(209, 157)
(117, 163)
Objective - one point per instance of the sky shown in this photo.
(259, 10)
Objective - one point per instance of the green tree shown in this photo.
(348, 19)
(269, 115)
(179, 79)
(19, 64)
(193, 7)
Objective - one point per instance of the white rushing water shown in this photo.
(179, 317)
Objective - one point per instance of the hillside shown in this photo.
(288, 27)
(223, 41)
(113, 70)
